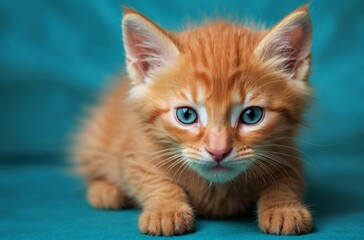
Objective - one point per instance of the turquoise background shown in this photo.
(56, 56)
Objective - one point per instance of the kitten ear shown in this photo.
(148, 47)
(287, 46)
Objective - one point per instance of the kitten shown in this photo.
(204, 125)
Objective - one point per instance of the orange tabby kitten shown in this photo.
(205, 126)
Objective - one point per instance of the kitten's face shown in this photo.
(219, 126)
(213, 100)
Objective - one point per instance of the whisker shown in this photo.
(295, 157)
(269, 173)
(283, 146)
(279, 163)
(184, 169)
(177, 161)
(309, 143)
(257, 171)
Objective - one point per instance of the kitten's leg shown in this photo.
(166, 210)
(104, 195)
(280, 208)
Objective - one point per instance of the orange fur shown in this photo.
(131, 149)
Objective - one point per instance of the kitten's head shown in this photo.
(218, 94)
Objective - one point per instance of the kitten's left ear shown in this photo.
(287, 46)
(148, 47)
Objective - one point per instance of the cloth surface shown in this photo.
(56, 57)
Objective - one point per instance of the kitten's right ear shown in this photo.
(287, 46)
(148, 47)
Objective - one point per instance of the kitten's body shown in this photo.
(128, 148)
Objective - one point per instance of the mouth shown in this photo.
(219, 167)
(221, 172)
(217, 173)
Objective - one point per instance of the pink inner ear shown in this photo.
(139, 49)
(296, 42)
(293, 44)
(297, 39)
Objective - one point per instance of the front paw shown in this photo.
(167, 221)
(104, 195)
(283, 220)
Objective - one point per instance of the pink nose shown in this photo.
(219, 154)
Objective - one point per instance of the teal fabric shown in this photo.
(56, 56)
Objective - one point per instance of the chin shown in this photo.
(220, 173)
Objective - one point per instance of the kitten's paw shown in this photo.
(104, 195)
(286, 220)
(167, 221)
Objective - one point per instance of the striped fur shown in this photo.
(134, 152)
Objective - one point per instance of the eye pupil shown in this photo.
(186, 115)
(251, 115)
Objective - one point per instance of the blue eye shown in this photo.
(251, 115)
(186, 115)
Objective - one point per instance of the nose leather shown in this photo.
(218, 144)
(219, 154)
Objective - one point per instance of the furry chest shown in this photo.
(221, 202)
